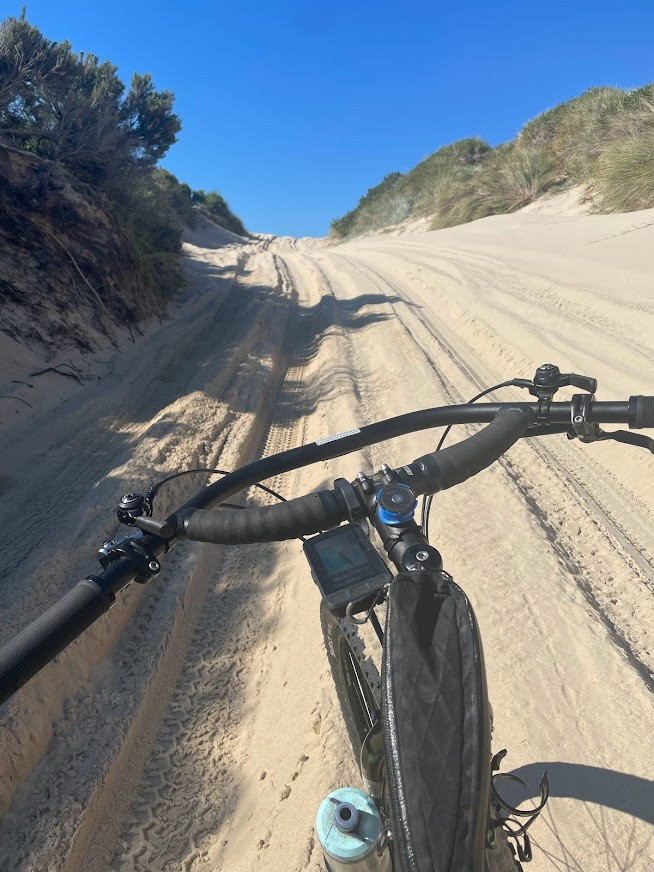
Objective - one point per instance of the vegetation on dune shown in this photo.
(508, 179)
(76, 116)
(625, 173)
(603, 139)
(400, 196)
(219, 211)
(365, 212)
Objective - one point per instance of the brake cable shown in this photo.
(547, 381)
(152, 492)
(427, 498)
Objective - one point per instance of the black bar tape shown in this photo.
(288, 520)
(641, 412)
(25, 654)
(444, 469)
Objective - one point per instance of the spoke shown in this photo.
(361, 691)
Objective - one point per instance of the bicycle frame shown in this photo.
(410, 551)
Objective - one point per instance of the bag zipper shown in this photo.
(399, 821)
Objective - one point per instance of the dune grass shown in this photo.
(625, 174)
(603, 139)
(506, 180)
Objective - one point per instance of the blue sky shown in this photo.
(294, 109)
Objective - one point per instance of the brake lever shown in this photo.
(595, 435)
(550, 430)
(588, 431)
(625, 436)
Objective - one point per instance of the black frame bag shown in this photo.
(436, 720)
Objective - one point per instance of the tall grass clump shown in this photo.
(625, 174)
(371, 211)
(399, 196)
(454, 162)
(508, 179)
(516, 177)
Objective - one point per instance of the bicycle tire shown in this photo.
(356, 678)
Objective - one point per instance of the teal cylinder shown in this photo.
(348, 826)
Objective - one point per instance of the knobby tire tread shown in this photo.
(334, 630)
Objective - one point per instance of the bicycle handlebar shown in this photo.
(451, 466)
(48, 635)
(288, 520)
(433, 472)
(24, 655)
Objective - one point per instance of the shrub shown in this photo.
(458, 201)
(400, 196)
(74, 110)
(454, 160)
(176, 196)
(370, 209)
(77, 110)
(510, 178)
(625, 176)
(145, 213)
(220, 211)
(514, 179)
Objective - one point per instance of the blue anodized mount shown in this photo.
(396, 503)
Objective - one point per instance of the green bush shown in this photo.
(400, 196)
(145, 212)
(578, 132)
(509, 178)
(458, 201)
(219, 211)
(456, 160)
(75, 111)
(367, 212)
(625, 175)
(175, 196)
(513, 179)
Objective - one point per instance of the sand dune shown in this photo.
(196, 726)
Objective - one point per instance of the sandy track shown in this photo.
(209, 734)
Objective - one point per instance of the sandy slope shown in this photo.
(203, 733)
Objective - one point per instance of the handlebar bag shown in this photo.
(436, 721)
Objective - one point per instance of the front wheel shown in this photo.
(356, 678)
(358, 687)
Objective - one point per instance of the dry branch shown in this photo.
(20, 399)
(59, 372)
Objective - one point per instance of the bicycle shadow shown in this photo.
(618, 790)
(591, 786)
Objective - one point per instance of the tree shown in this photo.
(74, 109)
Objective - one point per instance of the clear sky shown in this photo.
(292, 109)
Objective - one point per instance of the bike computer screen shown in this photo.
(347, 568)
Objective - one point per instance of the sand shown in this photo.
(196, 726)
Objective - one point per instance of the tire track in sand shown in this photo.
(590, 512)
(189, 788)
(85, 837)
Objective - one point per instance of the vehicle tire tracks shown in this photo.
(589, 510)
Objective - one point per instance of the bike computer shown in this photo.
(347, 568)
